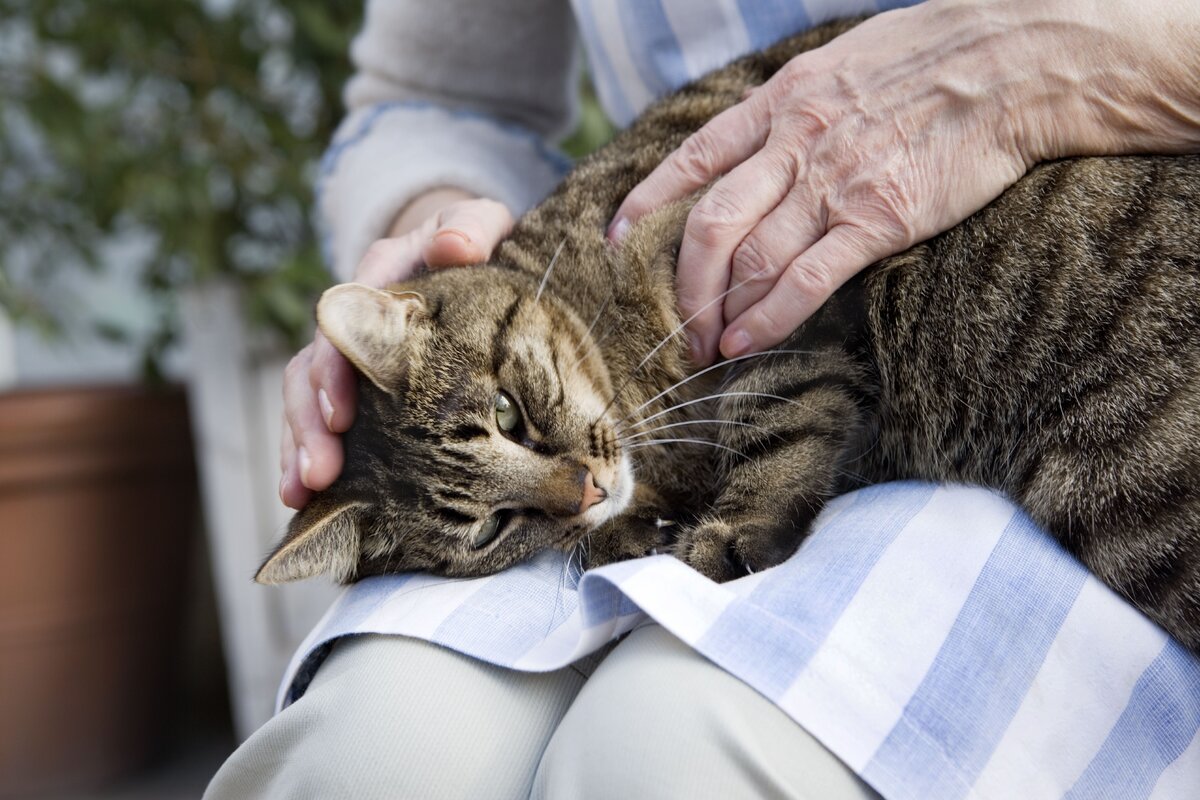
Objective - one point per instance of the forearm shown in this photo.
(1106, 76)
(455, 93)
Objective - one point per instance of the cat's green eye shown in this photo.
(508, 416)
(490, 528)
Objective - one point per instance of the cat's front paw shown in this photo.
(723, 551)
(626, 538)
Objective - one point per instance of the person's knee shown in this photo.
(388, 717)
(659, 720)
(627, 733)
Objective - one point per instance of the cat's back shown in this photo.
(1066, 314)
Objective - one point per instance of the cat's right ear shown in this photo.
(369, 327)
(322, 537)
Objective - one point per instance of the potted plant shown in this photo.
(179, 143)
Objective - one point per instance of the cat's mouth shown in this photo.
(620, 493)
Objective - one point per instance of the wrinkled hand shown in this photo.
(893, 132)
(319, 384)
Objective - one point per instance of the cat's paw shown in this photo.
(723, 551)
(626, 538)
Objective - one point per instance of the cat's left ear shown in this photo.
(369, 327)
(322, 537)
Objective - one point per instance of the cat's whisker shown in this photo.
(663, 342)
(725, 363)
(706, 398)
(549, 269)
(650, 431)
(705, 442)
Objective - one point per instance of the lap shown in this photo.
(659, 720)
(391, 717)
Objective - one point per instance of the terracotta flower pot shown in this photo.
(97, 510)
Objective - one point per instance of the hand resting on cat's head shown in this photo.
(441, 228)
(459, 465)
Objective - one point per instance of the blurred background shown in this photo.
(158, 267)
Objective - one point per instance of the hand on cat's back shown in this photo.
(439, 229)
(895, 131)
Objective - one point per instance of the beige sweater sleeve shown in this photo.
(447, 93)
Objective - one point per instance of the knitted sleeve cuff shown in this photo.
(385, 155)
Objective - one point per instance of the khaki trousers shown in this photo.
(389, 717)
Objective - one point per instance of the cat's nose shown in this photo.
(592, 494)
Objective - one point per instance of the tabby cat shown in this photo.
(1048, 347)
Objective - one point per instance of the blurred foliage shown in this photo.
(594, 129)
(195, 125)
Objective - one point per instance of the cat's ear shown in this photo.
(369, 327)
(322, 537)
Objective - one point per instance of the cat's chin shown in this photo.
(620, 494)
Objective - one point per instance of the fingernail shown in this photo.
(326, 408)
(452, 232)
(735, 344)
(305, 465)
(618, 230)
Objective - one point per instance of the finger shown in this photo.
(725, 141)
(331, 378)
(715, 227)
(786, 232)
(387, 261)
(467, 232)
(292, 492)
(318, 452)
(801, 289)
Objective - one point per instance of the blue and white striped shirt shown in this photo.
(639, 50)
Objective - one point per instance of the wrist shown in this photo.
(1105, 78)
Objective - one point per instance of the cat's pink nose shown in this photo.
(592, 493)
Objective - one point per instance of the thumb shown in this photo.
(467, 232)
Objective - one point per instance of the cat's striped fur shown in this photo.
(1048, 347)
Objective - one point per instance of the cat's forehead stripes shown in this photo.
(500, 347)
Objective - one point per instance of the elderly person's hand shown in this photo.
(898, 130)
(444, 227)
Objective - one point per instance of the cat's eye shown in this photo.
(491, 527)
(508, 416)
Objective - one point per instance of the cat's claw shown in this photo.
(722, 552)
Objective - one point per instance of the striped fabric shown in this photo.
(932, 637)
(639, 50)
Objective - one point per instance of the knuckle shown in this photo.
(714, 218)
(697, 157)
(751, 263)
(810, 280)
(894, 203)
(297, 368)
(494, 207)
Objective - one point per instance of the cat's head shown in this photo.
(483, 435)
